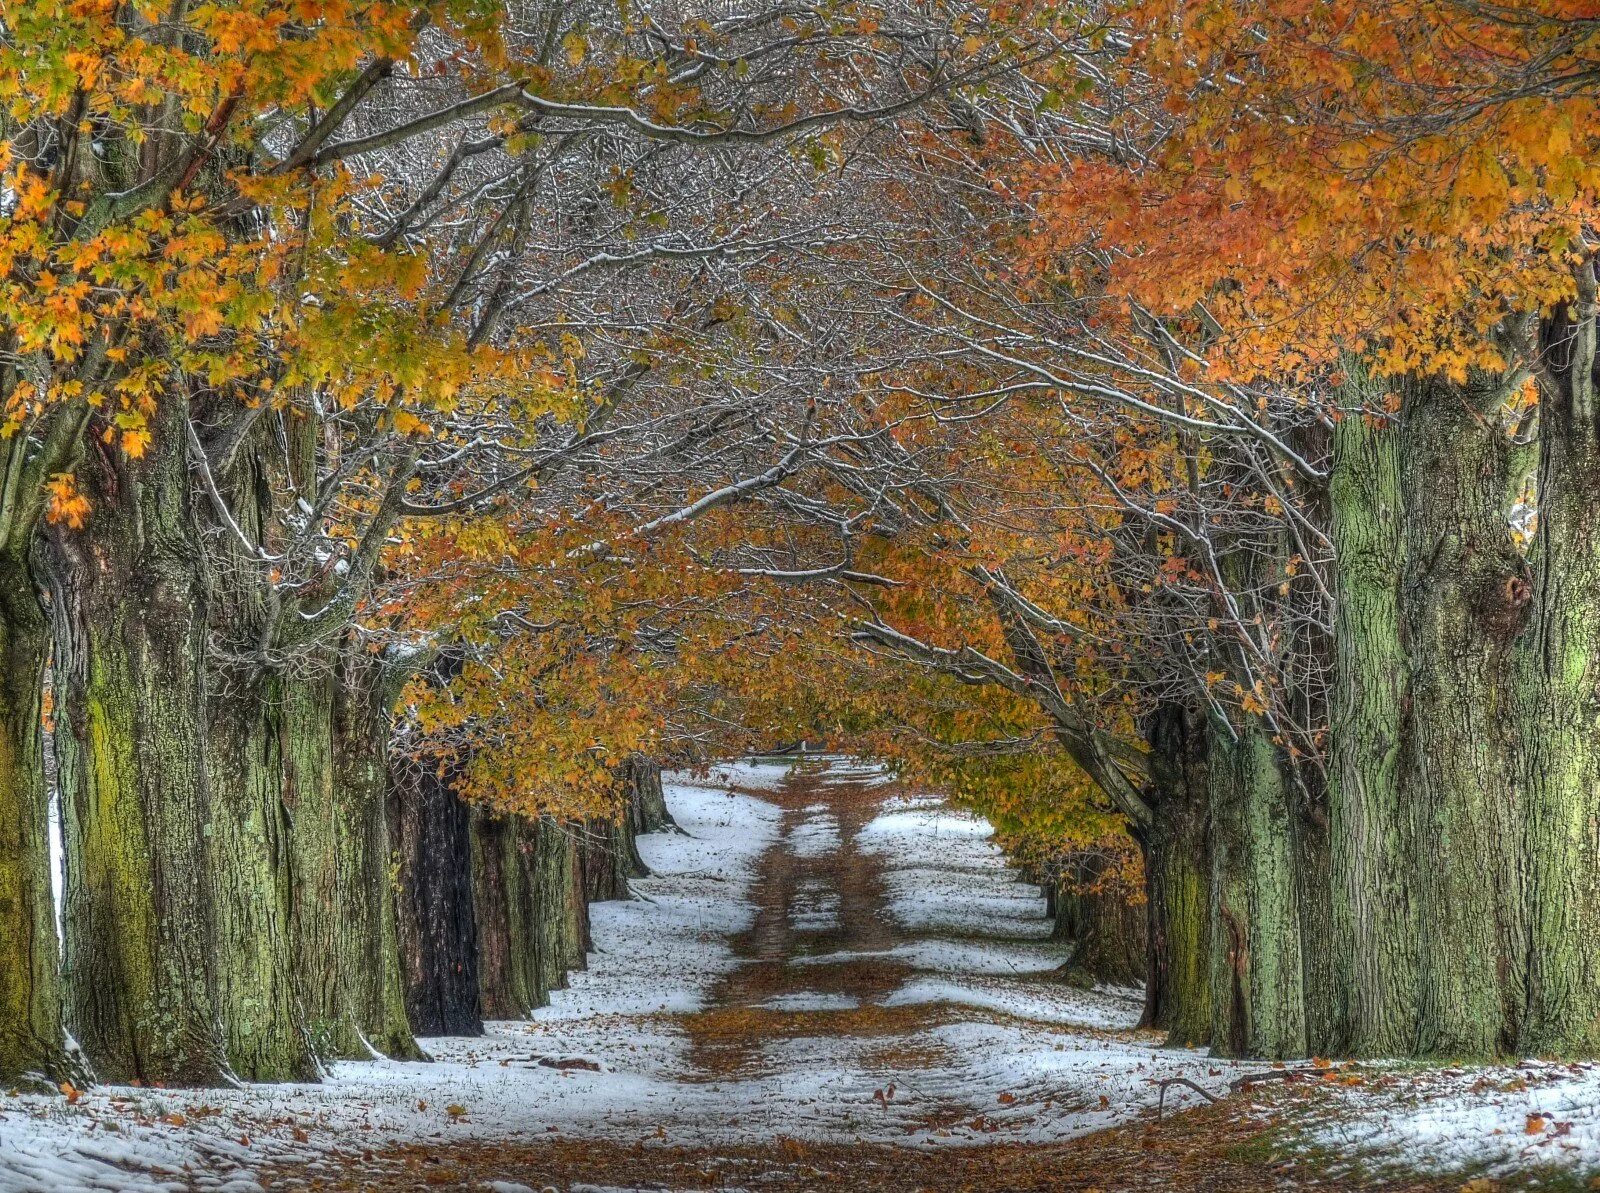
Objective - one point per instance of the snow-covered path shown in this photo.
(816, 957)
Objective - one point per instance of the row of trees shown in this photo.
(1245, 454)
(349, 343)
(1170, 426)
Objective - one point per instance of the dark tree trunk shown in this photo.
(505, 859)
(31, 1042)
(438, 935)
(129, 609)
(1177, 877)
(1107, 929)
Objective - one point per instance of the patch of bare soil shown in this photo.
(1215, 1149)
(842, 890)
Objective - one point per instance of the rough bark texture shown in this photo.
(319, 865)
(503, 876)
(647, 805)
(369, 947)
(1257, 967)
(438, 936)
(561, 915)
(248, 853)
(1559, 697)
(1107, 929)
(605, 856)
(1177, 878)
(1373, 846)
(1463, 593)
(31, 1040)
(129, 609)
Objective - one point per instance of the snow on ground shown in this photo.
(976, 1044)
(1489, 1121)
(815, 836)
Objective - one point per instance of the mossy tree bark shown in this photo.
(321, 866)
(1371, 827)
(32, 1042)
(128, 603)
(1177, 866)
(32, 1045)
(366, 689)
(251, 831)
(1463, 599)
(1257, 965)
(1559, 696)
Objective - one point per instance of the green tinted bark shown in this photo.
(1463, 595)
(1373, 841)
(31, 1041)
(129, 610)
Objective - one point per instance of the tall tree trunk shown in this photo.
(647, 806)
(1106, 928)
(369, 947)
(1371, 827)
(248, 853)
(1177, 877)
(561, 908)
(31, 1040)
(438, 934)
(1559, 665)
(503, 881)
(1464, 594)
(129, 608)
(319, 866)
(1257, 968)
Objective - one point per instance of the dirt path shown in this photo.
(822, 1016)
(817, 896)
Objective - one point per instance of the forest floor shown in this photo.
(825, 983)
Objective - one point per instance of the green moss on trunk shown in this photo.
(129, 610)
(1372, 832)
(1463, 593)
(369, 948)
(1257, 967)
(1177, 879)
(31, 1040)
(1559, 698)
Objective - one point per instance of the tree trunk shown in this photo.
(647, 805)
(369, 947)
(1464, 594)
(32, 1045)
(1177, 877)
(318, 862)
(1257, 968)
(605, 853)
(438, 934)
(1107, 929)
(129, 608)
(248, 854)
(1559, 665)
(504, 860)
(1371, 828)
(561, 908)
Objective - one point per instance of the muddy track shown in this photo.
(813, 899)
